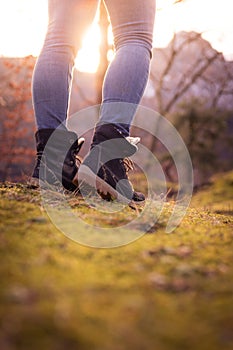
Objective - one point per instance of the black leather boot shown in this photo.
(106, 166)
(57, 158)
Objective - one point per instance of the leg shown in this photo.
(68, 20)
(105, 166)
(127, 75)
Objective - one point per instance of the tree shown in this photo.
(104, 48)
(205, 133)
(16, 124)
(188, 70)
(167, 94)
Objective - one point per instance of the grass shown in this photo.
(163, 291)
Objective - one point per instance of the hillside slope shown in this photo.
(164, 291)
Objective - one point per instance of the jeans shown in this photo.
(126, 77)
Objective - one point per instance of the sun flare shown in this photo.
(88, 56)
(23, 26)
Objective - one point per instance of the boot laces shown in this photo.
(128, 164)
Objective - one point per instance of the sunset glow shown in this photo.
(213, 18)
(23, 27)
(88, 57)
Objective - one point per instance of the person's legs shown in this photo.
(127, 75)
(68, 20)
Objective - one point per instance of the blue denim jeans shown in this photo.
(126, 77)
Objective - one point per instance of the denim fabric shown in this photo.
(125, 80)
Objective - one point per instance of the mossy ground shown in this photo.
(163, 291)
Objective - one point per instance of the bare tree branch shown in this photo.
(186, 86)
(175, 51)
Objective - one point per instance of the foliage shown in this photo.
(205, 133)
(16, 114)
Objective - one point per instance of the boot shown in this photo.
(56, 163)
(106, 166)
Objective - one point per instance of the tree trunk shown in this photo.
(104, 47)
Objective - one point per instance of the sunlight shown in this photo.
(88, 57)
(210, 17)
(23, 27)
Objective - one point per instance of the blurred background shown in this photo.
(191, 80)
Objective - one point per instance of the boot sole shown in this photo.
(33, 182)
(86, 175)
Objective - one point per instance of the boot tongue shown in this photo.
(133, 140)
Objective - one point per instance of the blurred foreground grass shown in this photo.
(164, 291)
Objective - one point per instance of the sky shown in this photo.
(213, 18)
(23, 27)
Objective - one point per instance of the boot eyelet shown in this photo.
(72, 141)
(71, 162)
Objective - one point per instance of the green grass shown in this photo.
(163, 291)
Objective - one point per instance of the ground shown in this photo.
(163, 291)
